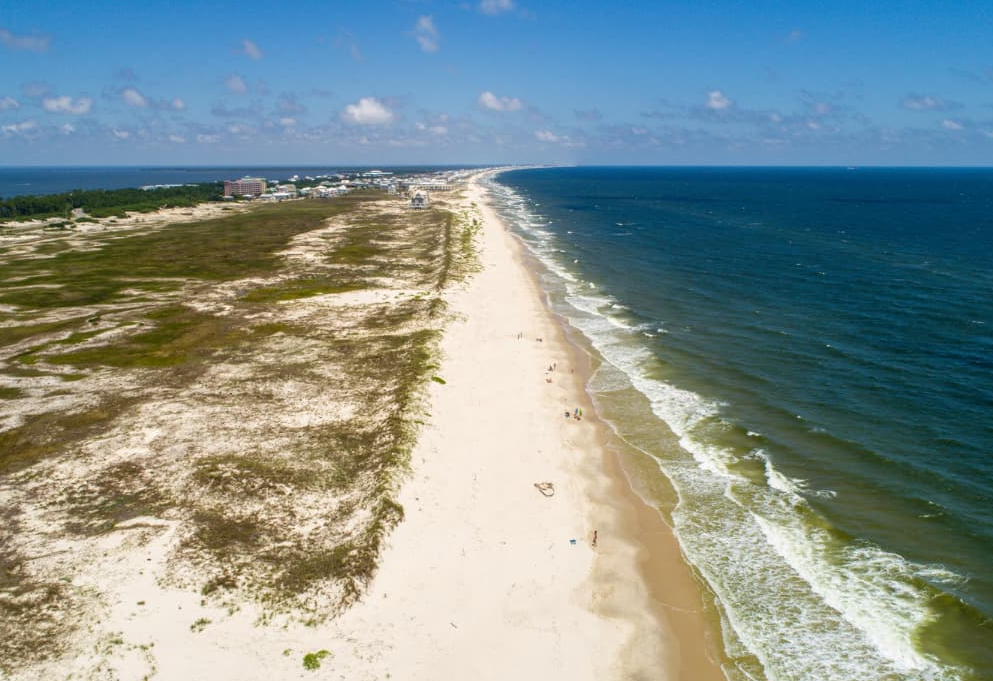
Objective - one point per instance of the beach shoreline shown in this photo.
(661, 586)
(487, 576)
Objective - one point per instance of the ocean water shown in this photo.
(807, 357)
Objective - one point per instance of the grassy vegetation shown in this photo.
(222, 249)
(53, 433)
(176, 334)
(312, 661)
(291, 515)
(299, 288)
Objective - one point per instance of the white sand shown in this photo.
(480, 581)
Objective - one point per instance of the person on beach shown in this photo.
(594, 538)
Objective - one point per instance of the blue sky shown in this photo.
(496, 81)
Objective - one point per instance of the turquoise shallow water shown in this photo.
(812, 350)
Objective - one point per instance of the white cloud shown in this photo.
(208, 139)
(236, 84)
(367, 111)
(949, 124)
(433, 129)
(914, 102)
(717, 101)
(67, 129)
(488, 100)
(250, 49)
(21, 128)
(134, 98)
(552, 138)
(66, 104)
(287, 122)
(177, 139)
(427, 34)
(9, 103)
(178, 104)
(493, 7)
(31, 43)
(121, 134)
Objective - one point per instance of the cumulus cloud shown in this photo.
(287, 122)
(367, 111)
(7, 103)
(553, 138)
(134, 98)
(433, 129)
(427, 34)
(918, 102)
(177, 139)
(66, 104)
(949, 124)
(19, 129)
(488, 100)
(208, 139)
(717, 101)
(121, 134)
(67, 129)
(236, 84)
(250, 49)
(28, 43)
(493, 7)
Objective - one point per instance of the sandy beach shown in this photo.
(488, 578)
(493, 573)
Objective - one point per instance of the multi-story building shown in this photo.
(246, 185)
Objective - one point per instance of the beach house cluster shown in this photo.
(415, 188)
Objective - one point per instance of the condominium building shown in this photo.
(246, 185)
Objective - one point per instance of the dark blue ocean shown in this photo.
(806, 356)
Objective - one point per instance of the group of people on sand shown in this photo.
(576, 414)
